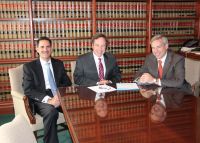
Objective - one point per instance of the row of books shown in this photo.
(14, 9)
(82, 9)
(171, 27)
(15, 50)
(72, 29)
(14, 29)
(121, 9)
(61, 9)
(122, 27)
(130, 65)
(127, 45)
(174, 9)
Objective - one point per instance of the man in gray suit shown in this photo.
(98, 66)
(171, 70)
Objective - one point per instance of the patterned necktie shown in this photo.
(160, 69)
(101, 71)
(51, 79)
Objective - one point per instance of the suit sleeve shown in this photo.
(79, 75)
(178, 78)
(143, 69)
(30, 85)
(116, 74)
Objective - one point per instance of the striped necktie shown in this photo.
(101, 70)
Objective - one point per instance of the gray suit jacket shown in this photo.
(86, 72)
(173, 70)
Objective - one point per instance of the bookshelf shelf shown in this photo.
(59, 19)
(128, 24)
(11, 39)
(14, 19)
(173, 18)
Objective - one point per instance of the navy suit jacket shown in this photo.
(33, 78)
(86, 72)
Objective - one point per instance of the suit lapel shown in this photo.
(107, 65)
(167, 64)
(40, 73)
(55, 70)
(154, 66)
(93, 65)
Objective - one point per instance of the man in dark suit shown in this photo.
(37, 86)
(163, 67)
(98, 66)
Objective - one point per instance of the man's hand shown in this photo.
(146, 78)
(54, 101)
(104, 82)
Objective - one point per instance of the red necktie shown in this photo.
(101, 71)
(160, 70)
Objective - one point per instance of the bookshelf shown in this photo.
(129, 25)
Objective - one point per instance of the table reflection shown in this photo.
(125, 116)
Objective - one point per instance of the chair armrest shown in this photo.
(22, 103)
(28, 110)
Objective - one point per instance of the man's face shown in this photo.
(44, 50)
(158, 48)
(158, 113)
(99, 46)
(101, 108)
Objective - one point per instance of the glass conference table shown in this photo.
(127, 116)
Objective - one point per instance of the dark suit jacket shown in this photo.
(173, 70)
(86, 72)
(33, 79)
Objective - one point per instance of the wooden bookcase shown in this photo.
(129, 25)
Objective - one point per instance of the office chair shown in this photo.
(17, 131)
(21, 102)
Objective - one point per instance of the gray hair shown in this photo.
(158, 37)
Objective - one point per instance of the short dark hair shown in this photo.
(44, 38)
(99, 35)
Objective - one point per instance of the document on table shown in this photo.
(127, 86)
(102, 88)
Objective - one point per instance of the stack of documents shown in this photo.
(102, 88)
(127, 86)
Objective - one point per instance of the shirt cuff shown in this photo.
(45, 99)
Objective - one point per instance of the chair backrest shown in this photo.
(16, 77)
(73, 65)
(17, 131)
(192, 74)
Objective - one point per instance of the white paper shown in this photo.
(127, 86)
(102, 88)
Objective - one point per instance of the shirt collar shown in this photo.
(44, 62)
(97, 58)
(163, 58)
